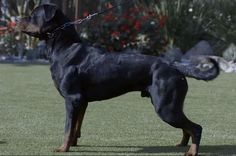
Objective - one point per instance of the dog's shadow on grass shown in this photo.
(204, 149)
(2, 142)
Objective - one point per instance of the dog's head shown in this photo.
(43, 20)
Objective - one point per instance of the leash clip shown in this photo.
(89, 17)
(50, 35)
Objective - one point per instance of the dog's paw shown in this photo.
(193, 150)
(61, 149)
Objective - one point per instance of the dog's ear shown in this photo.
(50, 12)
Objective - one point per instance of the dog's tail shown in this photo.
(203, 69)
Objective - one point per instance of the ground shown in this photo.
(32, 118)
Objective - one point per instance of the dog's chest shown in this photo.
(56, 73)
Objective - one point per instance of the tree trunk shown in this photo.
(78, 9)
(65, 6)
(58, 2)
(0, 8)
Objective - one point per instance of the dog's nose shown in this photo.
(17, 19)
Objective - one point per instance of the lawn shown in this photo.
(32, 118)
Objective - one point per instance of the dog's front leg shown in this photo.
(81, 114)
(72, 110)
(74, 103)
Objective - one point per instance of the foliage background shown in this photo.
(183, 22)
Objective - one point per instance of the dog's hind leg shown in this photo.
(168, 92)
(81, 114)
(185, 139)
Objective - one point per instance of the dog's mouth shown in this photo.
(27, 27)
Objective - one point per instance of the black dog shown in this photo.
(82, 74)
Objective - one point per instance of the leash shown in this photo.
(87, 18)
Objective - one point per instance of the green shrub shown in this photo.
(190, 21)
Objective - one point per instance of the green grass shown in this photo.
(32, 118)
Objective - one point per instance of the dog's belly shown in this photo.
(107, 91)
(104, 83)
(112, 83)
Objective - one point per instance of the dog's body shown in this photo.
(82, 74)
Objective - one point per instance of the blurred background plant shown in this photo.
(151, 26)
(13, 43)
(135, 28)
(190, 21)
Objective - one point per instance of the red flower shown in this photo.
(115, 34)
(12, 24)
(127, 16)
(134, 10)
(108, 17)
(151, 13)
(162, 21)
(122, 44)
(124, 28)
(109, 5)
(144, 18)
(86, 13)
(137, 25)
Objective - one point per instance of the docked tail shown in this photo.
(204, 69)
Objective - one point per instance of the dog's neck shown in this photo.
(61, 40)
